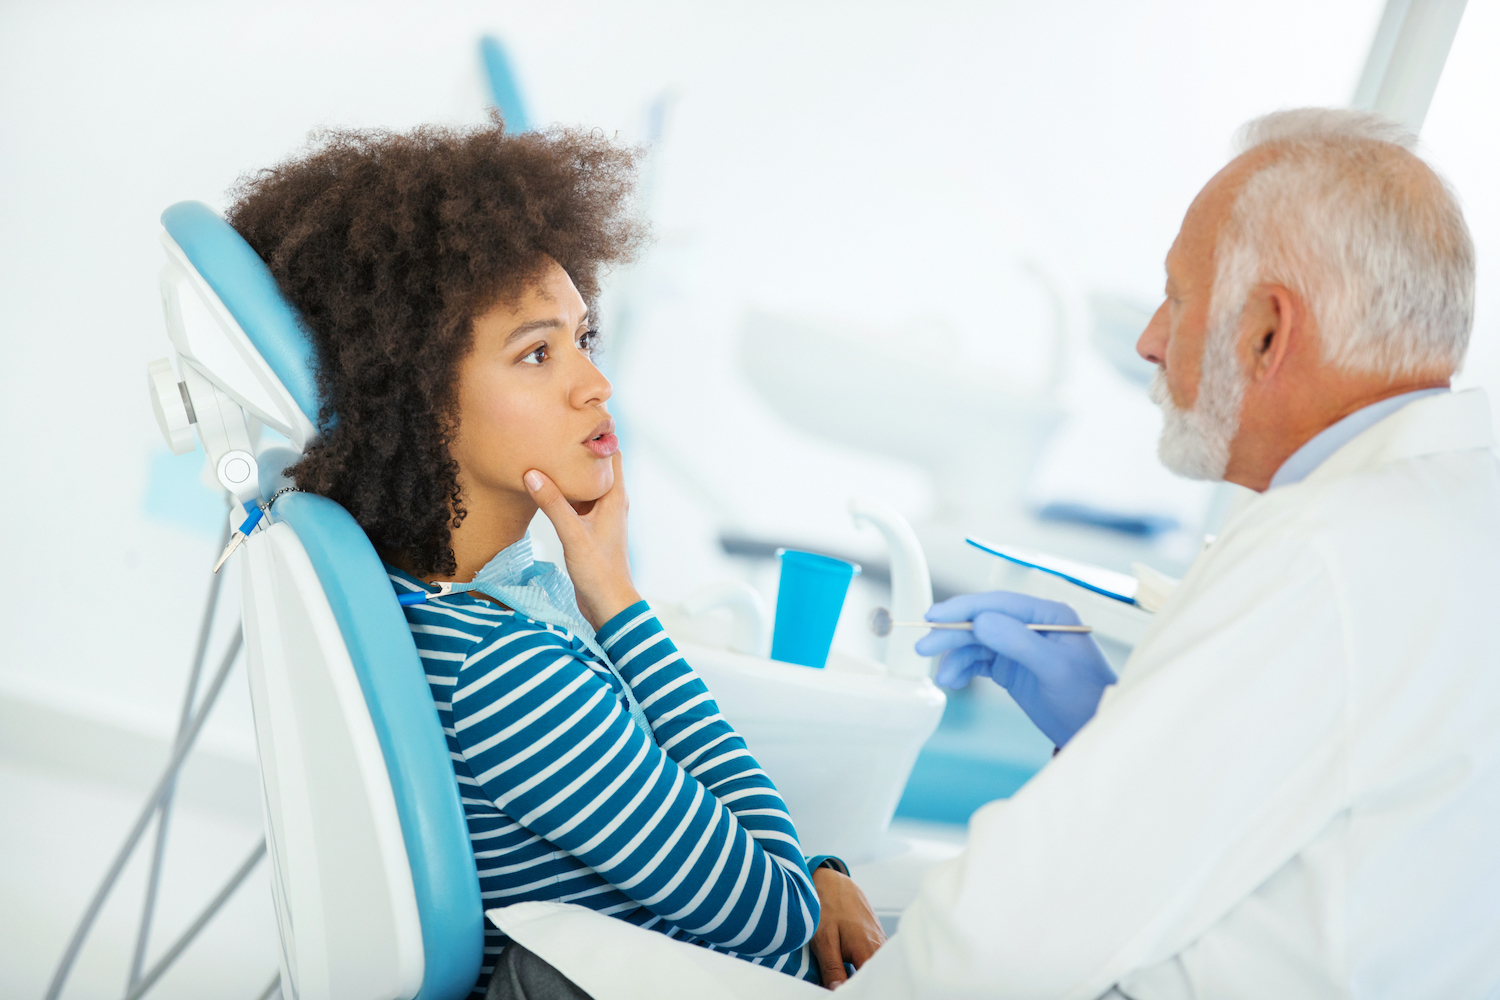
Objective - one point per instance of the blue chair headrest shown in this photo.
(244, 284)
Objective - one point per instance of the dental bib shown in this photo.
(542, 591)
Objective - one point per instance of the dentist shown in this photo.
(1293, 788)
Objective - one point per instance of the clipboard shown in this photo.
(1117, 586)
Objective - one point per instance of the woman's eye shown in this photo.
(588, 343)
(536, 356)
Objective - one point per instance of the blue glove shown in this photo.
(1056, 677)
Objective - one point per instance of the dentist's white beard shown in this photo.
(1195, 443)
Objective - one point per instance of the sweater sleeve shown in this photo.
(691, 829)
(693, 733)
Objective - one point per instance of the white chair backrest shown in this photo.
(343, 891)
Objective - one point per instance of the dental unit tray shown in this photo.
(1117, 586)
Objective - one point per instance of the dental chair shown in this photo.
(373, 880)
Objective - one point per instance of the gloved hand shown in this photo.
(1056, 677)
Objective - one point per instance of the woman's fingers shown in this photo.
(860, 948)
(848, 930)
(595, 547)
(829, 951)
(615, 496)
(552, 502)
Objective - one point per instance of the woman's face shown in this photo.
(529, 397)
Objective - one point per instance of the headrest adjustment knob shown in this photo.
(169, 402)
(238, 472)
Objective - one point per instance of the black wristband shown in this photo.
(827, 861)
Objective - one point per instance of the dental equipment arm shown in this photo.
(911, 584)
(1056, 678)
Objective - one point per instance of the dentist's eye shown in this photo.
(536, 356)
(588, 342)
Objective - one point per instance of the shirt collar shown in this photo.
(1330, 439)
(513, 566)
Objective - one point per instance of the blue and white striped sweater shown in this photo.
(566, 799)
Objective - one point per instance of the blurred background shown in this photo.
(903, 252)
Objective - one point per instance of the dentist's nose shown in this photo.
(1153, 343)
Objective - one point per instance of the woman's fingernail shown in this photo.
(533, 481)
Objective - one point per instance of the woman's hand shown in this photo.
(847, 928)
(594, 544)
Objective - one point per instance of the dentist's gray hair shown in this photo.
(1342, 212)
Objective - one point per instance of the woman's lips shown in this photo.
(603, 446)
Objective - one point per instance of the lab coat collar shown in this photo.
(1448, 422)
(1333, 437)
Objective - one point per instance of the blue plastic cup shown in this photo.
(808, 602)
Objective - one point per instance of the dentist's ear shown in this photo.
(1273, 324)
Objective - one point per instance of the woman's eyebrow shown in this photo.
(536, 324)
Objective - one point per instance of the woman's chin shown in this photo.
(588, 488)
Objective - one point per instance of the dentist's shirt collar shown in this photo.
(1330, 439)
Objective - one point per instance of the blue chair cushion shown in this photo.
(411, 737)
(244, 284)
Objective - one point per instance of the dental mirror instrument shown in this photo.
(881, 624)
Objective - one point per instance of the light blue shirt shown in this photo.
(1330, 439)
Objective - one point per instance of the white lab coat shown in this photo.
(1294, 790)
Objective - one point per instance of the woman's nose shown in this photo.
(590, 387)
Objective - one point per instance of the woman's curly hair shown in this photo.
(390, 244)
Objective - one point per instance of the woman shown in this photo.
(448, 279)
